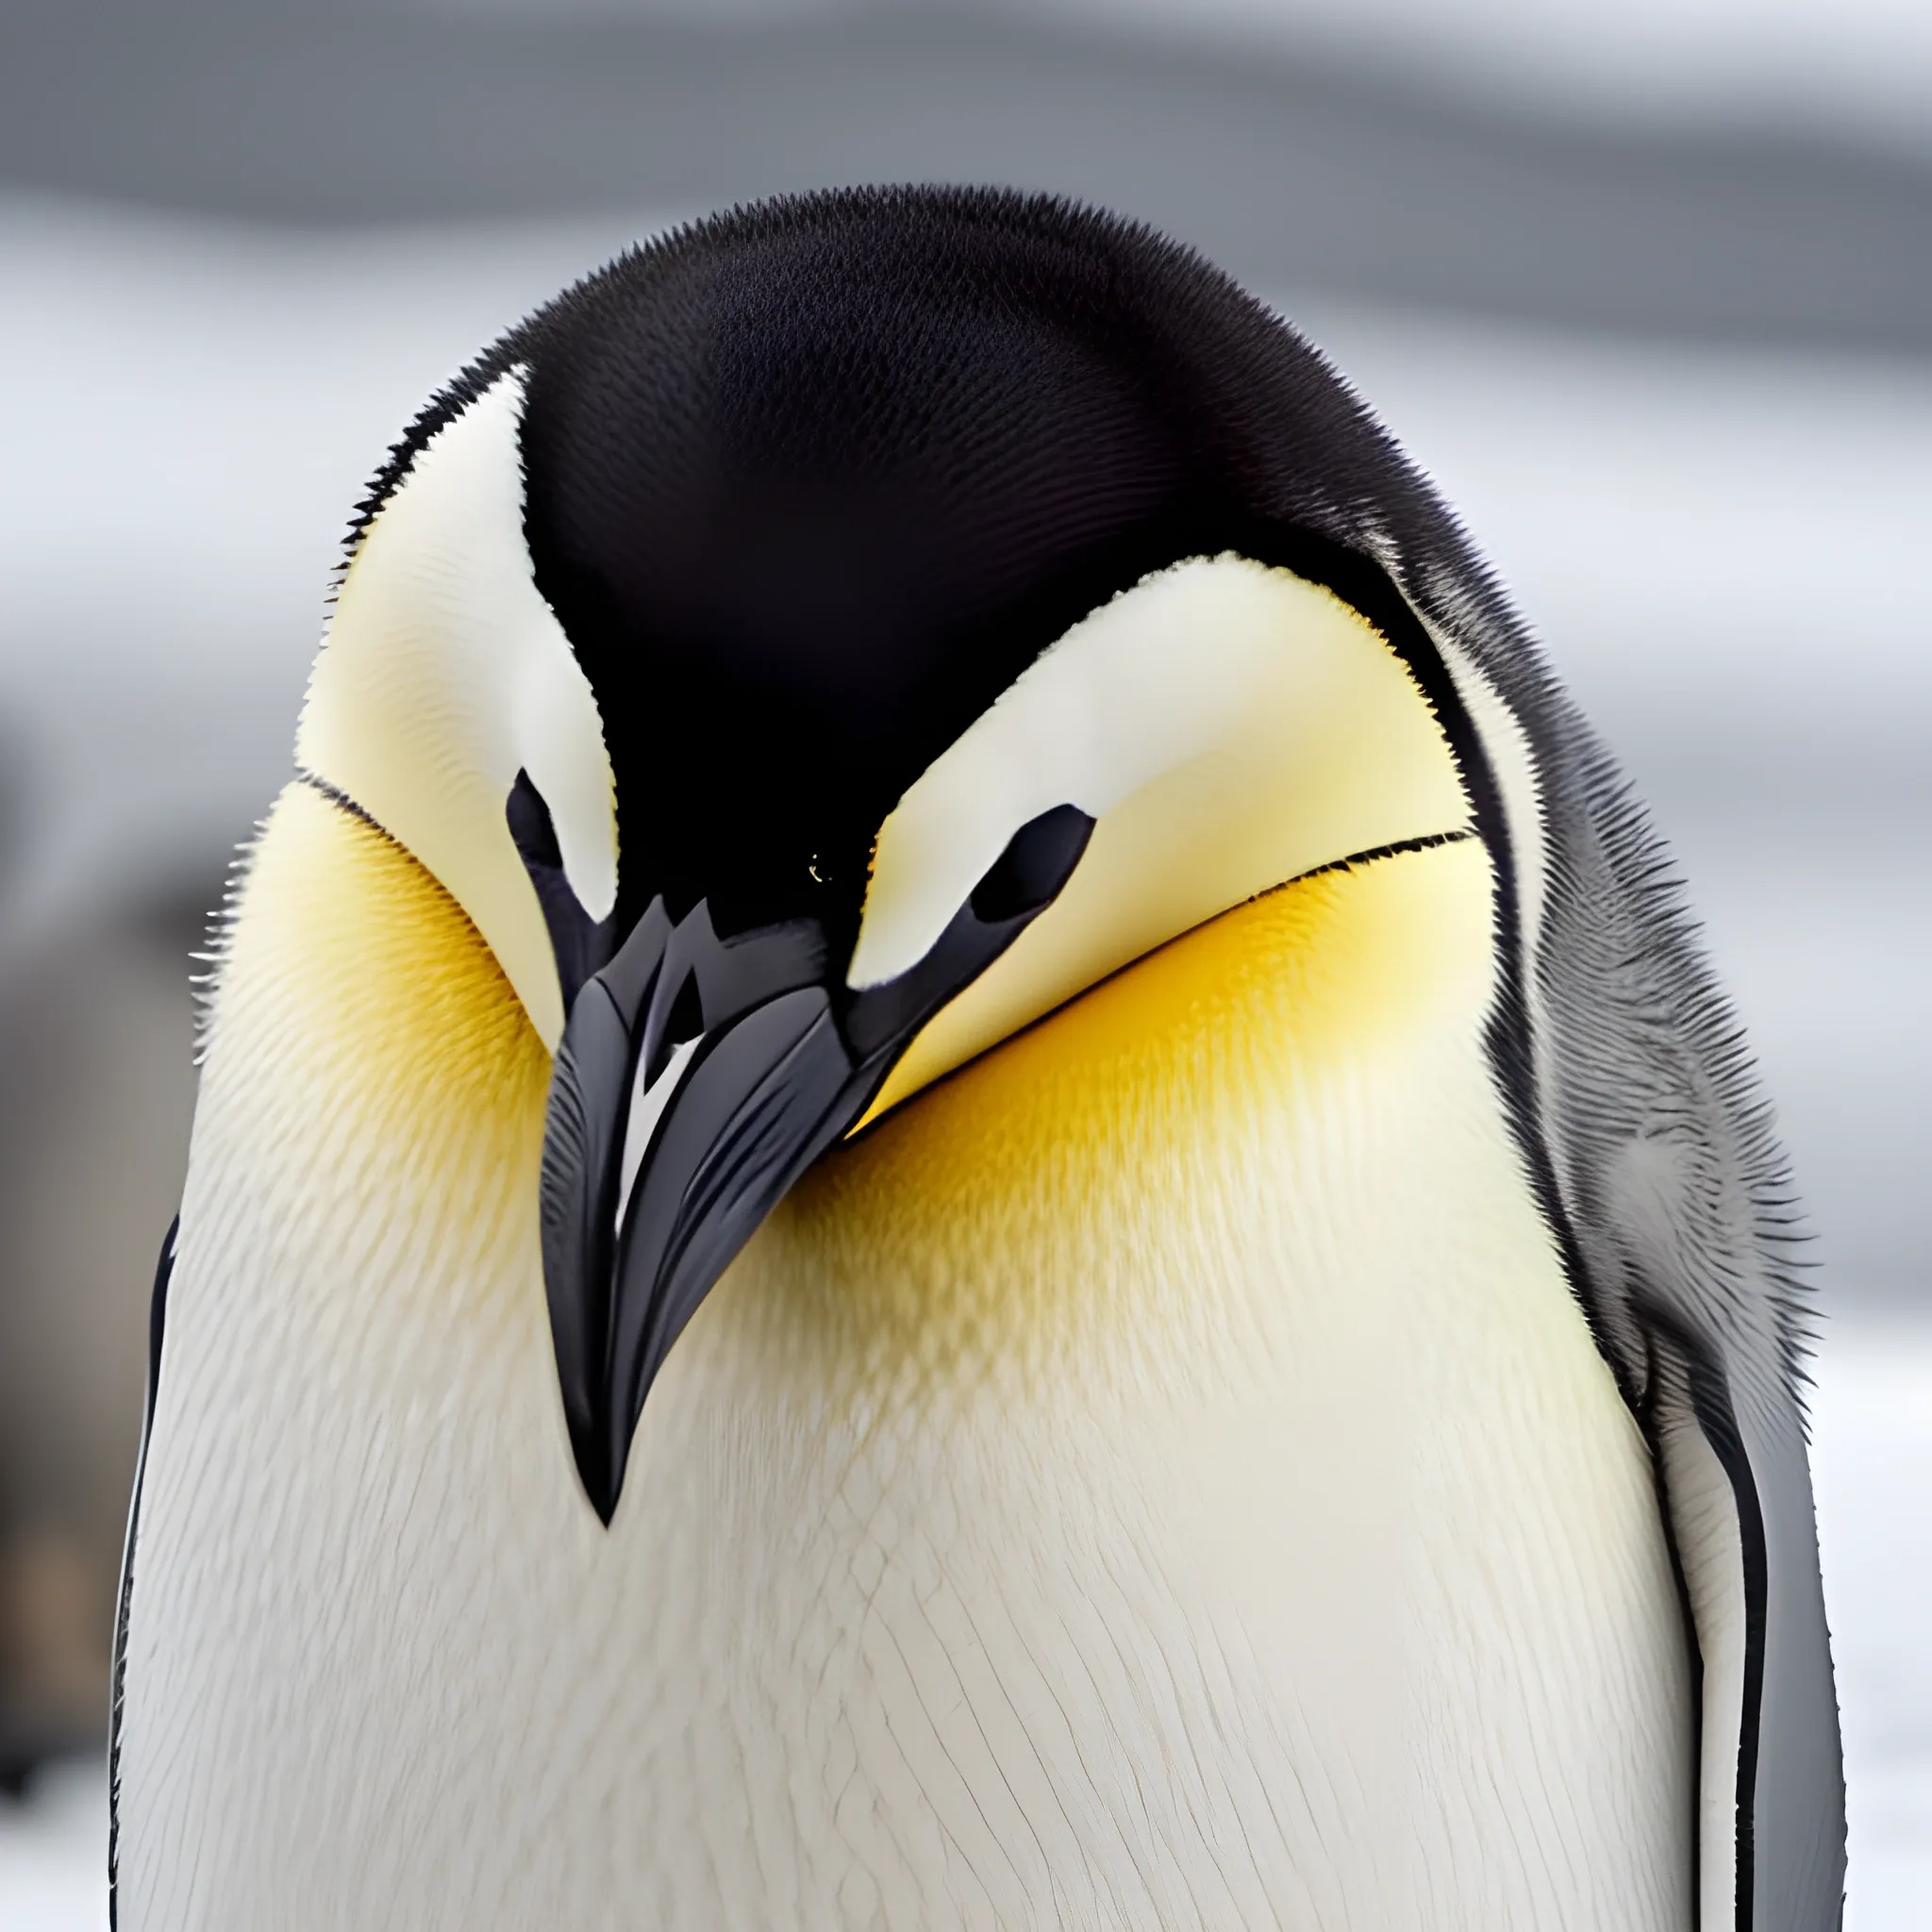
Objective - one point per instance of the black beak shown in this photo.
(697, 1080)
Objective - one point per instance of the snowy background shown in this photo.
(1704, 466)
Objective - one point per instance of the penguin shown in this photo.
(961, 1164)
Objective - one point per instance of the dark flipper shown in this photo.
(1738, 1493)
(156, 1323)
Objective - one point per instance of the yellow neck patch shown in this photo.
(367, 1040)
(1067, 1182)
(1059, 1189)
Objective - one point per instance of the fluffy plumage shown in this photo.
(1397, 1267)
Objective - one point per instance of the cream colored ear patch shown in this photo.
(445, 673)
(1228, 726)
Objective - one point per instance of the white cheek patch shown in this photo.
(1228, 726)
(1148, 682)
(444, 674)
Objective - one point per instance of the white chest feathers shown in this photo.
(1158, 1479)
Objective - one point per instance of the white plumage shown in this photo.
(1305, 1572)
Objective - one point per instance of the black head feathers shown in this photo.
(810, 483)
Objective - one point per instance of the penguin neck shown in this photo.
(373, 1093)
(1063, 1206)
(1225, 1150)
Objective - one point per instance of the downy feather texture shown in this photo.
(1305, 1433)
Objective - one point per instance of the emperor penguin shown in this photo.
(960, 1164)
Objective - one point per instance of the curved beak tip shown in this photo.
(696, 1079)
(662, 1154)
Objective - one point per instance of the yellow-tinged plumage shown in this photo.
(1290, 735)
(416, 1050)
(364, 1035)
(409, 1012)
(1003, 1541)
(1139, 1103)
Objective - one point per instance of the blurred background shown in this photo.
(1647, 289)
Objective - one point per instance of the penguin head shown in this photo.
(829, 639)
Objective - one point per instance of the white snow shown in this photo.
(1871, 1449)
(54, 1853)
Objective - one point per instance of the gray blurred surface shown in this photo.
(94, 1057)
(1322, 165)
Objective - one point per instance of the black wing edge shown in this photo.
(1736, 1485)
(156, 1323)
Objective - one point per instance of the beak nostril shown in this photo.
(687, 1019)
(684, 1022)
